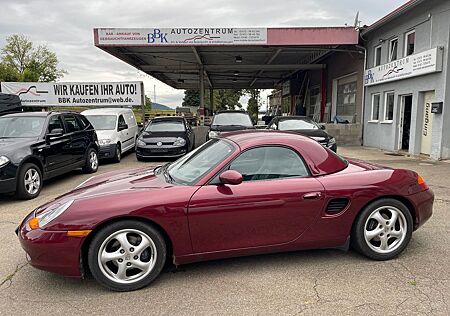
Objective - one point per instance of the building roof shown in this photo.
(392, 15)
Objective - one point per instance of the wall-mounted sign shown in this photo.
(76, 93)
(411, 66)
(180, 36)
(286, 88)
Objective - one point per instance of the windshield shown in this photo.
(21, 127)
(189, 169)
(165, 126)
(288, 125)
(102, 122)
(241, 119)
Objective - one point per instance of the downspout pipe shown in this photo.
(363, 94)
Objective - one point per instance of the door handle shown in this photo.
(312, 196)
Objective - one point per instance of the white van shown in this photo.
(116, 129)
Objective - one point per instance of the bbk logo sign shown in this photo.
(157, 36)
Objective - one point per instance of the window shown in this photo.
(165, 125)
(393, 49)
(55, 123)
(375, 107)
(346, 96)
(377, 56)
(313, 106)
(121, 121)
(21, 126)
(410, 42)
(102, 122)
(389, 106)
(265, 163)
(296, 124)
(71, 123)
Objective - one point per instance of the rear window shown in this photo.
(232, 119)
(296, 124)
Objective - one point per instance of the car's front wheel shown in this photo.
(127, 255)
(383, 229)
(29, 183)
(118, 154)
(91, 164)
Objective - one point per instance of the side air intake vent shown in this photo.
(337, 205)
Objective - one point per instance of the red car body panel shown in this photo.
(206, 221)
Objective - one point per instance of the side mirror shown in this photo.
(231, 177)
(322, 126)
(122, 127)
(56, 132)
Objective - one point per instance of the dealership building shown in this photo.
(407, 83)
(387, 83)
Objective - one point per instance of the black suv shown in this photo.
(36, 146)
(227, 121)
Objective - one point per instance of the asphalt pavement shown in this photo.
(320, 282)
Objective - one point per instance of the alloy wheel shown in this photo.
(93, 160)
(32, 181)
(127, 256)
(385, 229)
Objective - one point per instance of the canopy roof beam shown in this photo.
(200, 63)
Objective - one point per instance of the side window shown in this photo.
(72, 123)
(265, 163)
(121, 120)
(55, 123)
(82, 122)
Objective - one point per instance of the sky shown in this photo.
(66, 27)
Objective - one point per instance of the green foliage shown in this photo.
(148, 103)
(22, 61)
(253, 103)
(191, 98)
(226, 99)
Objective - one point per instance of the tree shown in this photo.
(148, 103)
(227, 99)
(191, 98)
(30, 63)
(253, 104)
(8, 73)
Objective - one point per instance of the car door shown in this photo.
(125, 136)
(275, 204)
(78, 138)
(56, 149)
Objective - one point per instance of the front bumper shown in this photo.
(107, 151)
(51, 251)
(8, 185)
(167, 151)
(423, 206)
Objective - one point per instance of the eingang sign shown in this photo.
(181, 36)
(76, 93)
(423, 63)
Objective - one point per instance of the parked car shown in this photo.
(241, 194)
(36, 146)
(227, 121)
(305, 126)
(165, 137)
(116, 129)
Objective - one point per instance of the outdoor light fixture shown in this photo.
(180, 80)
(234, 79)
(239, 59)
(236, 73)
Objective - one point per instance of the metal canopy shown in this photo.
(233, 66)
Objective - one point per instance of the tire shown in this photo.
(150, 259)
(118, 155)
(376, 235)
(91, 164)
(29, 182)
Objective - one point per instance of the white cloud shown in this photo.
(67, 26)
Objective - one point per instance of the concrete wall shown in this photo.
(431, 21)
(345, 134)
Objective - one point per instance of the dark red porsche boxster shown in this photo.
(241, 194)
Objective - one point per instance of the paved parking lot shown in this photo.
(308, 282)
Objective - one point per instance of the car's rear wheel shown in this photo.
(29, 181)
(383, 229)
(91, 164)
(118, 154)
(127, 255)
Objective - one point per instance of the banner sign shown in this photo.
(181, 36)
(76, 93)
(419, 64)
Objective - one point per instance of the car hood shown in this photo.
(9, 145)
(229, 128)
(317, 134)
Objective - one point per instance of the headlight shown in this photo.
(140, 142)
(103, 142)
(331, 142)
(213, 134)
(179, 142)
(50, 215)
(3, 160)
